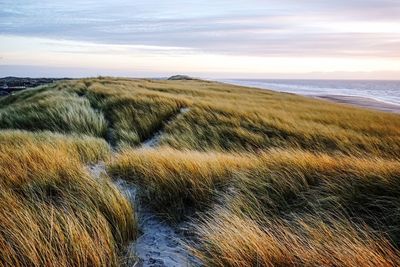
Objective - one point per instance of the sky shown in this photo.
(310, 39)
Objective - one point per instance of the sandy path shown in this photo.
(159, 243)
(155, 139)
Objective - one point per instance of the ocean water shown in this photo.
(384, 91)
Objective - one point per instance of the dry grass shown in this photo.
(220, 127)
(273, 179)
(134, 119)
(173, 181)
(281, 207)
(85, 148)
(58, 111)
(133, 113)
(53, 213)
(231, 240)
(226, 117)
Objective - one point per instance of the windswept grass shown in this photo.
(366, 190)
(173, 181)
(223, 128)
(222, 117)
(85, 148)
(271, 190)
(272, 182)
(228, 239)
(137, 118)
(53, 213)
(271, 179)
(52, 110)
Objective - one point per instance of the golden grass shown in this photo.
(279, 184)
(39, 234)
(53, 213)
(136, 118)
(173, 181)
(340, 179)
(221, 128)
(228, 239)
(85, 148)
(221, 117)
(273, 179)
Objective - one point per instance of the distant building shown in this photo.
(4, 87)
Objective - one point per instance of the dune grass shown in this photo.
(271, 183)
(221, 117)
(52, 212)
(364, 190)
(87, 149)
(231, 118)
(229, 239)
(174, 182)
(135, 119)
(228, 129)
(58, 111)
(279, 207)
(133, 113)
(266, 179)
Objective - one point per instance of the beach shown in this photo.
(363, 102)
(376, 95)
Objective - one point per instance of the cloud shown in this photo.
(236, 27)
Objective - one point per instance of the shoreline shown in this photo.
(357, 101)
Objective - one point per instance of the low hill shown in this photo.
(180, 78)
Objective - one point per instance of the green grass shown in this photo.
(134, 119)
(265, 178)
(52, 110)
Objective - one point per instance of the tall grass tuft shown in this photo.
(229, 239)
(174, 181)
(85, 148)
(135, 119)
(54, 111)
(53, 213)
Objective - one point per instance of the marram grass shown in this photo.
(52, 212)
(264, 178)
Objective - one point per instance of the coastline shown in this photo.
(363, 102)
(358, 101)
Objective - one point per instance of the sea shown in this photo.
(379, 90)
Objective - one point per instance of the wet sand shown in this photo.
(363, 102)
